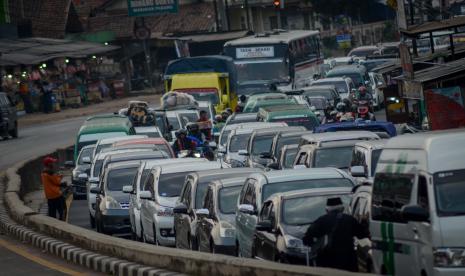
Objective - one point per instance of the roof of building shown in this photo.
(434, 26)
(438, 71)
(268, 38)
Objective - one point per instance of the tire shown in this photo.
(92, 221)
(14, 133)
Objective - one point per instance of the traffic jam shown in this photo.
(271, 152)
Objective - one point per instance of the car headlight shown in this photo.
(449, 257)
(111, 203)
(165, 212)
(197, 155)
(227, 230)
(293, 243)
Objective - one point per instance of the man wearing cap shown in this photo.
(334, 232)
(52, 184)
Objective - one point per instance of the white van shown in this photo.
(418, 205)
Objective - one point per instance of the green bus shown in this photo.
(292, 114)
(101, 127)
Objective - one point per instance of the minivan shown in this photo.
(418, 205)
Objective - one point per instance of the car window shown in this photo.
(116, 179)
(85, 153)
(265, 211)
(423, 192)
(302, 158)
(186, 196)
(375, 154)
(450, 191)
(227, 199)
(170, 184)
(238, 142)
(272, 215)
(289, 158)
(390, 193)
(262, 144)
(324, 157)
(148, 184)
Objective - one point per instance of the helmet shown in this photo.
(229, 110)
(225, 115)
(180, 132)
(362, 89)
(341, 107)
(218, 118)
(192, 127)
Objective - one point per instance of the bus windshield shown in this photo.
(262, 70)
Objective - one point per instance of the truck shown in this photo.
(206, 78)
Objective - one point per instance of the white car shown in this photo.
(137, 186)
(343, 85)
(159, 196)
(108, 142)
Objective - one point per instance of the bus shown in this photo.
(281, 58)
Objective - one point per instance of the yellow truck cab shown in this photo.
(206, 78)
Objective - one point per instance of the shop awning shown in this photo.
(437, 71)
(30, 51)
(453, 24)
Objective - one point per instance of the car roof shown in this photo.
(276, 130)
(154, 141)
(372, 144)
(152, 163)
(347, 69)
(331, 79)
(286, 107)
(294, 133)
(331, 144)
(123, 165)
(314, 192)
(143, 129)
(103, 155)
(197, 166)
(223, 173)
(251, 129)
(138, 155)
(112, 140)
(340, 135)
(300, 174)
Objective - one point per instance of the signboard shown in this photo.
(255, 52)
(445, 108)
(406, 61)
(151, 7)
(344, 41)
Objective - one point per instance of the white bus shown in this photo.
(283, 58)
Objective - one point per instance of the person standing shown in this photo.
(205, 125)
(333, 237)
(51, 181)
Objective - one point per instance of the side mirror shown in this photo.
(128, 189)
(202, 212)
(358, 171)
(180, 209)
(83, 176)
(221, 149)
(264, 226)
(86, 160)
(247, 209)
(415, 213)
(212, 145)
(273, 166)
(243, 153)
(146, 195)
(266, 155)
(94, 190)
(69, 164)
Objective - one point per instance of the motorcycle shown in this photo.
(363, 111)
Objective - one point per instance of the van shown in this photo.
(418, 205)
(96, 128)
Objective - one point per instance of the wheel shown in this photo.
(92, 220)
(14, 132)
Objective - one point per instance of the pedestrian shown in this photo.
(46, 90)
(26, 97)
(332, 237)
(51, 181)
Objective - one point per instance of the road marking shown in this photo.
(39, 260)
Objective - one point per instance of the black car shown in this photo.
(8, 117)
(216, 230)
(284, 219)
(191, 199)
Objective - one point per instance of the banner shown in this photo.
(445, 108)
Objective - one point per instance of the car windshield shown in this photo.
(170, 184)
(227, 199)
(289, 158)
(118, 178)
(305, 210)
(87, 139)
(187, 118)
(210, 95)
(269, 70)
(97, 168)
(341, 86)
(239, 142)
(375, 154)
(282, 187)
(323, 93)
(143, 178)
(308, 122)
(262, 144)
(450, 192)
(318, 103)
(85, 153)
(324, 157)
(174, 122)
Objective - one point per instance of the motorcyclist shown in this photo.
(344, 112)
(363, 95)
(195, 134)
(183, 142)
(225, 115)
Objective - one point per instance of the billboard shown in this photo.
(445, 108)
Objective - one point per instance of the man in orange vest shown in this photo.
(52, 184)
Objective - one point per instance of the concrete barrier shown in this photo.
(183, 261)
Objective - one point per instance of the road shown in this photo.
(15, 257)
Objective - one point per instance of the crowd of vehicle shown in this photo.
(256, 178)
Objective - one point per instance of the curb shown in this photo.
(76, 255)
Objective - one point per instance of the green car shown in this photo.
(293, 115)
(255, 102)
(100, 127)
